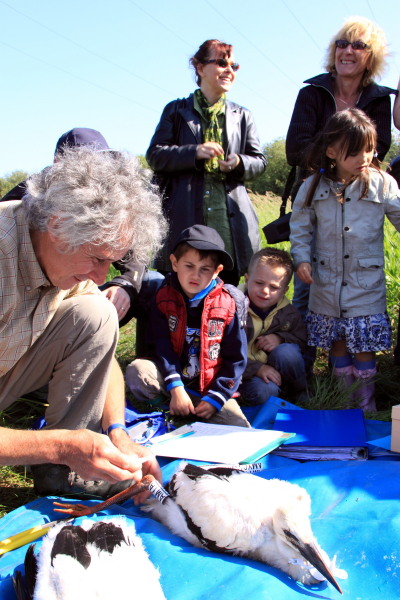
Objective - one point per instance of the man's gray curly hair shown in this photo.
(97, 198)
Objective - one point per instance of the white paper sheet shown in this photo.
(221, 444)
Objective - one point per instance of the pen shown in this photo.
(20, 539)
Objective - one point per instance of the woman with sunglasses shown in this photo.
(355, 58)
(202, 152)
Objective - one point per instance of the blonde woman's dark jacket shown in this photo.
(316, 103)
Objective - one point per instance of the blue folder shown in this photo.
(323, 434)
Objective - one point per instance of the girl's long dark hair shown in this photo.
(350, 130)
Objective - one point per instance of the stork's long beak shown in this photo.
(311, 553)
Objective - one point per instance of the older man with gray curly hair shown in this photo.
(77, 217)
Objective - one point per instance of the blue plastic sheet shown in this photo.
(355, 515)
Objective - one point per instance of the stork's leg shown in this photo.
(80, 510)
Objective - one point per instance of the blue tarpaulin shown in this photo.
(355, 515)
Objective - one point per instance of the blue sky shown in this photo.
(113, 65)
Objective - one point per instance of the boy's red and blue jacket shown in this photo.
(219, 312)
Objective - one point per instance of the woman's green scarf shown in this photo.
(213, 132)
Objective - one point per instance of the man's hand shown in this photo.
(268, 342)
(124, 443)
(268, 373)
(94, 456)
(304, 272)
(181, 403)
(205, 410)
(120, 298)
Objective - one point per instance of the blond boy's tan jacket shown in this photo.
(284, 320)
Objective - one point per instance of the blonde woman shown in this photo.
(355, 59)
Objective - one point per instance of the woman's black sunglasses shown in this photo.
(223, 63)
(342, 44)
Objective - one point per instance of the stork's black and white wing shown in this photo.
(95, 561)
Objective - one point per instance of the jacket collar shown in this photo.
(192, 118)
(172, 280)
(232, 121)
(325, 185)
(369, 93)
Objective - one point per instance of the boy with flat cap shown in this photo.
(196, 335)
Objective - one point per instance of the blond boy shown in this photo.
(276, 334)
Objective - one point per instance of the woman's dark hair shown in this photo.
(205, 51)
(350, 130)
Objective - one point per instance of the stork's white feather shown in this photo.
(126, 573)
(246, 515)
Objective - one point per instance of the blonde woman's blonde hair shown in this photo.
(352, 30)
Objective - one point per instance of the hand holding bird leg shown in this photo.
(80, 510)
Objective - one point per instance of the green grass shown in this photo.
(325, 393)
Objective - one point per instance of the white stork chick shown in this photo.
(96, 561)
(241, 514)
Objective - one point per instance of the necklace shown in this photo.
(344, 102)
(348, 104)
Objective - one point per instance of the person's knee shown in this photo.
(288, 360)
(257, 391)
(83, 319)
(230, 414)
(92, 313)
(286, 352)
(141, 376)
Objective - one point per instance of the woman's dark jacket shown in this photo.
(316, 103)
(172, 155)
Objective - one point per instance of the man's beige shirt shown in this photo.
(28, 300)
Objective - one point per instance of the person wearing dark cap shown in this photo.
(79, 136)
(133, 289)
(196, 335)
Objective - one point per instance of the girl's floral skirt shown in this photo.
(362, 334)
